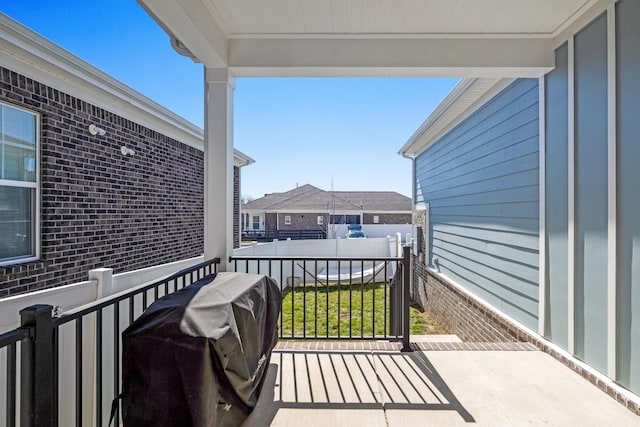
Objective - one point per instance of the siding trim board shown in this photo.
(542, 231)
(612, 255)
(571, 229)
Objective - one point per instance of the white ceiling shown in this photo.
(473, 38)
(318, 18)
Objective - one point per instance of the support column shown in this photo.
(218, 165)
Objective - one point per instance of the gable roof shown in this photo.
(308, 197)
(463, 100)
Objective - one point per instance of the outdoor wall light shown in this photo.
(127, 151)
(95, 130)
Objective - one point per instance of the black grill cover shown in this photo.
(197, 357)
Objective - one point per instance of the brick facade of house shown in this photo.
(387, 218)
(303, 221)
(99, 208)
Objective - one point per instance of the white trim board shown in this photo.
(542, 232)
(571, 178)
(612, 255)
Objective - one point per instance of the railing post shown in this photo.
(37, 380)
(406, 276)
(104, 276)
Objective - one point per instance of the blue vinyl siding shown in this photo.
(481, 183)
(591, 193)
(628, 130)
(557, 199)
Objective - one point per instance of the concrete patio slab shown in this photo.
(444, 388)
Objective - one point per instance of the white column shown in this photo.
(218, 165)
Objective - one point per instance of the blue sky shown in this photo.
(345, 131)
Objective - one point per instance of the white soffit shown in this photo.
(464, 99)
(317, 18)
(473, 38)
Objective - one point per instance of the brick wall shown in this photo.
(466, 318)
(271, 221)
(98, 207)
(387, 218)
(305, 221)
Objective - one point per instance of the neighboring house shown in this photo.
(92, 173)
(527, 192)
(309, 212)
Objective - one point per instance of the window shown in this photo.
(19, 197)
(376, 219)
(320, 220)
(287, 219)
(255, 220)
(344, 219)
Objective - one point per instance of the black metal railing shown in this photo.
(270, 235)
(334, 298)
(48, 344)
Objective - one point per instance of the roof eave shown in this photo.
(27, 52)
(465, 98)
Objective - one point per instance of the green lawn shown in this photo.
(311, 304)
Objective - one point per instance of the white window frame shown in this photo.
(35, 220)
(253, 223)
(320, 220)
(376, 219)
(287, 220)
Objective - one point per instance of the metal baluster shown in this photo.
(304, 298)
(11, 386)
(339, 292)
(99, 367)
(79, 371)
(116, 361)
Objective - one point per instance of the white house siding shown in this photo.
(481, 183)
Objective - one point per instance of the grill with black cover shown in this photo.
(197, 357)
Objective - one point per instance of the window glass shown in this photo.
(376, 219)
(320, 220)
(19, 163)
(256, 222)
(287, 219)
(16, 222)
(18, 127)
(18, 184)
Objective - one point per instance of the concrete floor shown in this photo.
(435, 388)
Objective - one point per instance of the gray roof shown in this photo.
(308, 197)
